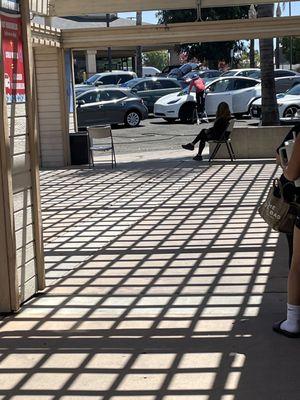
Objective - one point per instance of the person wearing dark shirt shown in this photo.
(289, 189)
(221, 123)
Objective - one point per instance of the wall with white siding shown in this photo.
(52, 116)
(22, 201)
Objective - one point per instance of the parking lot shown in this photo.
(155, 134)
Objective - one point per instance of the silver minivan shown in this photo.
(105, 79)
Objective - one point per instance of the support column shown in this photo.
(174, 57)
(91, 64)
(8, 283)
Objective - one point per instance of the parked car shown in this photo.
(150, 71)
(279, 73)
(288, 104)
(247, 72)
(235, 91)
(105, 78)
(152, 89)
(110, 106)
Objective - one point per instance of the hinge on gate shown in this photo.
(199, 10)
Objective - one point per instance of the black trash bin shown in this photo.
(79, 148)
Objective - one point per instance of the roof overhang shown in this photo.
(78, 7)
(159, 35)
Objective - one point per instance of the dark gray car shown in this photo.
(110, 106)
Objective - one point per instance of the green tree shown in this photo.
(210, 52)
(286, 49)
(270, 115)
(158, 59)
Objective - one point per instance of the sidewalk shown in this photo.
(163, 284)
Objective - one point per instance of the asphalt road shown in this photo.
(156, 134)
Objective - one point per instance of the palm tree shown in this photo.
(270, 115)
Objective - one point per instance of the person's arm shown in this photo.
(292, 171)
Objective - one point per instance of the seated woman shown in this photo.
(221, 123)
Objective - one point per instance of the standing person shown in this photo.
(199, 86)
(221, 123)
(288, 187)
(290, 327)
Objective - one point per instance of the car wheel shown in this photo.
(132, 119)
(170, 120)
(290, 111)
(186, 113)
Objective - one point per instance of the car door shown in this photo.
(144, 92)
(216, 93)
(90, 113)
(242, 90)
(113, 106)
(152, 93)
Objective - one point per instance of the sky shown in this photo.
(149, 16)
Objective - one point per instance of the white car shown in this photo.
(247, 72)
(237, 92)
(288, 104)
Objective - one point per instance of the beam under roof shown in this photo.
(207, 31)
(79, 7)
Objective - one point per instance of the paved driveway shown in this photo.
(155, 134)
(163, 283)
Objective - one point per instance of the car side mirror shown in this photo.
(80, 103)
(98, 83)
(134, 90)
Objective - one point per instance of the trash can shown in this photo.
(79, 148)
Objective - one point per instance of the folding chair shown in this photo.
(225, 139)
(101, 132)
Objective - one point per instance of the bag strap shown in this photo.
(278, 185)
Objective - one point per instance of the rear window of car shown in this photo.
(278, 74)
(108, 79)
(112, 95)
(124, 78)
(243, 84)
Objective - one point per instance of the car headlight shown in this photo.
(173, 101)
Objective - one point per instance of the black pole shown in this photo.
(109, 53)
(291, 39)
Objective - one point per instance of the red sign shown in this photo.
(12, 48)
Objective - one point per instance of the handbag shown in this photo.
(276, 211)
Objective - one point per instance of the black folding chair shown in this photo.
(225, 139)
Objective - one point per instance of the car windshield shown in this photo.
(229, 73)
(91, 80)
(294, 91)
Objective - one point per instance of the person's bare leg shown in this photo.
(292, 323)
(294, 275)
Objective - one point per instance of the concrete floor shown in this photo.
(163, 284)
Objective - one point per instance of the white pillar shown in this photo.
(91, 65)
(174, 57)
